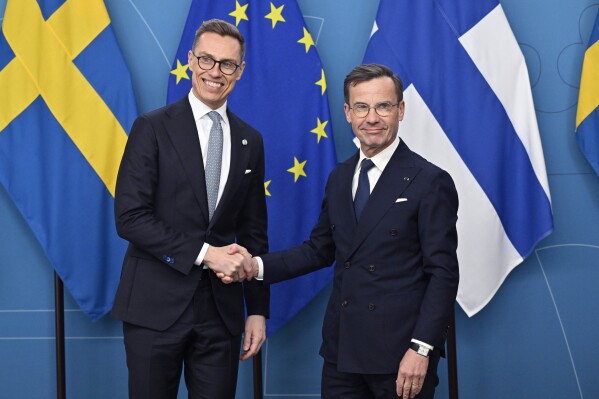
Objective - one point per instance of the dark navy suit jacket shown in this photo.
(161, 208)
(396, 271)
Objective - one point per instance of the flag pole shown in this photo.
(61, 390)
(452, 363)
(257, 368)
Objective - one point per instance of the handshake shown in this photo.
(231, 263)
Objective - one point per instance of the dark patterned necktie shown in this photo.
(214, 161)
(363, 190)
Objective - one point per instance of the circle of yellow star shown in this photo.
(180, 71)
(266, 192)
(306, 40)
(319, 129)
(275, 15)
(297, 169)
(239, 13)
(322, 82)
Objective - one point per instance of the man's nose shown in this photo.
(372, 116)
(215, 71)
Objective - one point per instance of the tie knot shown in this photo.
(367, 164)
(214, 116)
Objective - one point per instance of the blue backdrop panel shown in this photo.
(534, 339)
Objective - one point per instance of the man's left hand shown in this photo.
(411, 374)
(255, 335)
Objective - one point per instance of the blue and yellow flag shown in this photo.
(282, 93)
(66, 104)
(587, 116)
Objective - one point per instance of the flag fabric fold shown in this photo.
(282, 93)
(587, 115)
(469, 109)
(66, 107)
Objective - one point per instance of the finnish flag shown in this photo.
(469, 110)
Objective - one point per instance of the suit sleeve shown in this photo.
(135, 209)
(252, 234)
(314, 254)
(438, 237)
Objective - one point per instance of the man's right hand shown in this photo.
(227, 263)
(250, 265)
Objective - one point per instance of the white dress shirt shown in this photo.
(204, 124)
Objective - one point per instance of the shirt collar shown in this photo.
(200, 109)
(381, 159)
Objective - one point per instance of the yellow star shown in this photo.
(319, 129)
(322, 82)
(306, 40)
(275, 15)
(239, 13)
(266, 192)
(180, 71)
(297, 169)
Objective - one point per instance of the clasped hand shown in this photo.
(232, 263)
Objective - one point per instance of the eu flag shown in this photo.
(66, 106)
(282, 93)
(587, 115)
(469, 110)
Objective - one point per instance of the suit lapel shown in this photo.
(346, 201)
(399, 173)
(183, 133)
(240, 150)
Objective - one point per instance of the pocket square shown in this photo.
(247, 171)
(401, 200)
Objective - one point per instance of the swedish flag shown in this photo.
(587, 116)
(282, 94)
(65, 107)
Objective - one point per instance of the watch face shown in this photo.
(423, 351)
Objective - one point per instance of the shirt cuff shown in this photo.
(200, 257)
(260, 275)
(423, 344)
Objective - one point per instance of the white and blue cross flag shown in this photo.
(469, 110)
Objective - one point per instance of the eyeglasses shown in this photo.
(207, 63)
(382, 109)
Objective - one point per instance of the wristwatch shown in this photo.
(421, 350)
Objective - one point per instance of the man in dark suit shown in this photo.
(388, 220)
(191, 182)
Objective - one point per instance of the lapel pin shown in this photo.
(244, 142)
(406, 178)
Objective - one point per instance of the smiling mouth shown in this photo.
(373, 131)
(215, 85)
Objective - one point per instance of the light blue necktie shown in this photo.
(214, 161)
(363, 190)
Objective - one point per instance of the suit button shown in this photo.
(208, 233)
(344, 303)
(371, 268)
(347, 265)
(371, 306)
(393, 232)
(332, 227)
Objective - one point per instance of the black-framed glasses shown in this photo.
(207, 63)
(362, 110)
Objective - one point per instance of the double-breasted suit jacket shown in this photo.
(396, 270)
(161, 208)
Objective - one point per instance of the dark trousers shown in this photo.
(198, 343)
(339, 385)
